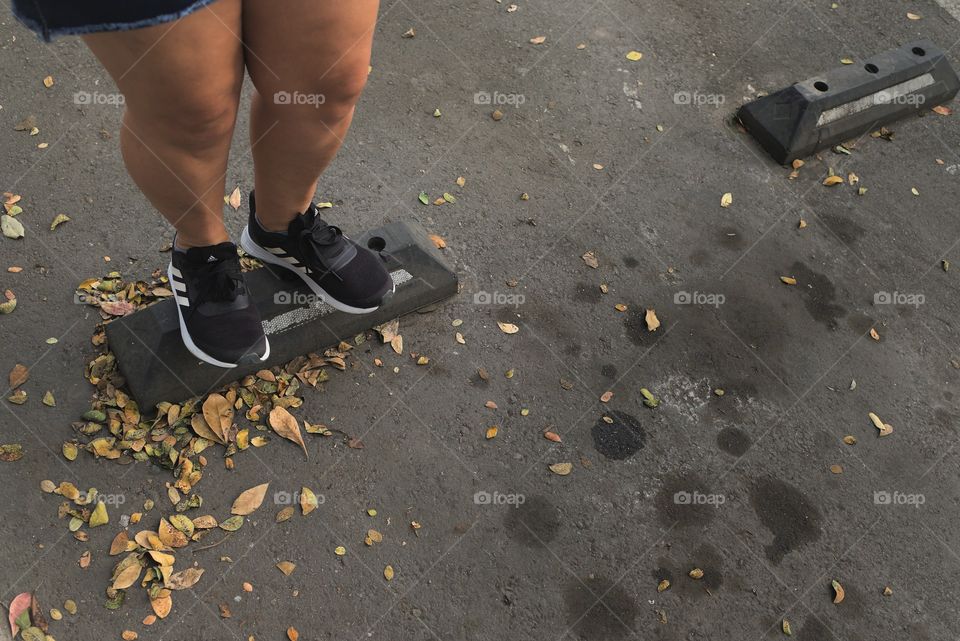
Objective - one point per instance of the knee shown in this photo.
(329, 99)
(196, 123)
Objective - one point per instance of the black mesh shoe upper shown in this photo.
(217, 311)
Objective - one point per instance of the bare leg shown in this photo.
(309, 62)
(181, 82)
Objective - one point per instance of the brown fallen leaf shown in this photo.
(162, 603)
(184, 579)
(606, 396)
(591, 260)
(552, 436)
(18, 375)
(218, 413)
(538, 40)
(942, 110)
(492, 431)
(292, 634)
(285, 424)
(830, 181)
(249, 500)
(788, 280)
(561, 469)
(874, 334)
(287, 567)
(437, 241)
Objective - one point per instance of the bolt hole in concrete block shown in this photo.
(376, 243)
(844, 103)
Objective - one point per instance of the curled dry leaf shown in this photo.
(591, 260)
(884, 428)
(284, 424)
(292, 634)
(308, 500)
(552, 436)
(249, 500)
(838, 592)
(561, 469)
(287, 567)
(726, 200)
(788, 280)
(508, 328)
(162, 603)
(606, 396)
(830, 181)
(492, 431)
(234, 198)
(653, 323)
(19, 605)
(437, 241)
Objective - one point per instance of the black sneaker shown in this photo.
(340, 272)
(218, 322)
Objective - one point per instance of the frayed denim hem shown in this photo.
(47, 34)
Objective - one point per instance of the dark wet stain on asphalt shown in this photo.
(787, 513)
(534, 522)
(635, 325)
(730, 238)
(845, 229)
(592, 620)
(608, 370)
(819, 295)
(733, 441)
(618, 440)
(588, 293)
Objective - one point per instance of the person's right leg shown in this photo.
(181, 84)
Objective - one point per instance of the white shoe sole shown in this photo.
(192, 347)
(258, 252)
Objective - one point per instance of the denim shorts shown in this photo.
(51, 18)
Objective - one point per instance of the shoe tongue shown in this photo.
(212, 253)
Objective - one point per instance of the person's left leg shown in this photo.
(309, 62)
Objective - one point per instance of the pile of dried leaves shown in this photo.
(178, 437)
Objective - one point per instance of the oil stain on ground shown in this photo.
(534, 522)
(787, 513)
(819, 295)
(592, 620)
(618, 440)
(733, 441)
